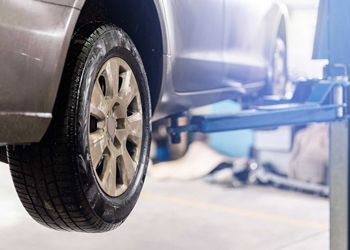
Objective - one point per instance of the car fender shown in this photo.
(35, 42)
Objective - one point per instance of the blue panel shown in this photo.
(321, 39)
(332, 38)
(235, 144)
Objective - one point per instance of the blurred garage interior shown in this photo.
(263, 189)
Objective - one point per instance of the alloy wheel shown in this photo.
(115, 127)
(279, 78)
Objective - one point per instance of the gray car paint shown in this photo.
(216, 49)
(35, 37)
(208, 56)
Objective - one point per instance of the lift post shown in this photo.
(332, 42)
(327, 101)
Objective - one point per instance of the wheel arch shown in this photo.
(143, 21)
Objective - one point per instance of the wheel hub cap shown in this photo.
(111, 126)
(116, 127)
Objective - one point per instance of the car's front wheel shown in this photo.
(87, 172)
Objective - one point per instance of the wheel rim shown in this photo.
(115, 127)
(279, 79)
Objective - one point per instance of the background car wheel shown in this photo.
(279, 68)
(87, 172)
(167, 151)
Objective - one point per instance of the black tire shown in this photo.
(54, 178)
(3, 154)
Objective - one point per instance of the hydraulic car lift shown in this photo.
(326, 101)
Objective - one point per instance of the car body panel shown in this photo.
(196, 43)
(208, 56)
(239, 55)
(78, 4)
(34, 43)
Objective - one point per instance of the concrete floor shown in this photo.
(185, 215)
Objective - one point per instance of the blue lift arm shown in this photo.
(327, 102)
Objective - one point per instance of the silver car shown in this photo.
(82, 81)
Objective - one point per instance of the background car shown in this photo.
(82, 80)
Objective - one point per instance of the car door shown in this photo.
(244, 42)
(196, 31)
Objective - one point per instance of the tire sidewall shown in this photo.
(112, 43)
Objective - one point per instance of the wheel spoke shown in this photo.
(112, 73)
(121, 135)
(113, 149)
(128, 90)
(97, 142)
(134, 127)
(109, 174)
(120, 111)
(129, 168)
(98, 106)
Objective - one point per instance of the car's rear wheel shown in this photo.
(279, 68)
(87, 172)
(166, 150)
